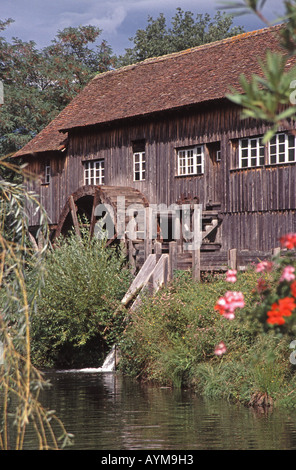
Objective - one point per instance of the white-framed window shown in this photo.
(139, 166)
(251, 152)
(94, 172)
(282, 149)
(190, 161)
(47, 173)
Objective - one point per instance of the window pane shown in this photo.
(272, 158)
(291, 155)
(281, 137)
(273, 140)
(281, 157)
(291, 140)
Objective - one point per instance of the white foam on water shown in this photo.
(108, 365)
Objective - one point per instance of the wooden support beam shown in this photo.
(178, 232)
(111, 240)
(131, 256)
(196, 264)
(196, 245)
(131, 249)
(232, 258)
(160, 272)
(96, 201)
(74, 215)
(148, 232)
(276, 251)
(157, 249)
(172, 259)
(141, 279)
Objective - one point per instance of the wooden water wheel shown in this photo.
(86, 206)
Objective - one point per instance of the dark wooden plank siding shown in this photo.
(257, 205)
(269, 188)
(256, 231)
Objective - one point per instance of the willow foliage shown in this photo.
(20, 381)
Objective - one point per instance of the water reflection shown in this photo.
(110, 412)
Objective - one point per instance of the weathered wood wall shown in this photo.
(257, 205)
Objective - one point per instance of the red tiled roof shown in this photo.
(180, 79)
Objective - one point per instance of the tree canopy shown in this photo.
(39, 83)
(185, 31)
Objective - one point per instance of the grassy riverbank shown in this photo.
(171, 341)
(172, 338)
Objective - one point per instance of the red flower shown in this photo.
(288, 241)
(283, 308)
(262, 285)
(293, 288)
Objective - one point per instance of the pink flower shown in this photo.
(220, 349)
(231, 275)
(264, 266)
(226, 305)
(288, 274)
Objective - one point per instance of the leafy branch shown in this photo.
(269, 96)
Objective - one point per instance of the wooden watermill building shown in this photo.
(161, 132)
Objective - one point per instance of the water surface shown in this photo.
(107, 411)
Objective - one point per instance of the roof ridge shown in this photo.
(172, 55)
(214, 43)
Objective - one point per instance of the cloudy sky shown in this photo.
(39, 20)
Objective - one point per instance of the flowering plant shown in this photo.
(275, 293)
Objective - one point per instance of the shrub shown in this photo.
(78, 314)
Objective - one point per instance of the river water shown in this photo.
(107, 411)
